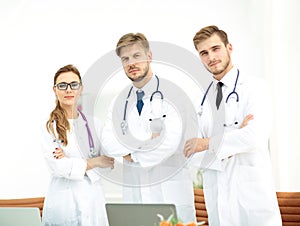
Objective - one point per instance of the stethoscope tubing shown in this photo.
(90, 137)
(231, 93)
(151, 97)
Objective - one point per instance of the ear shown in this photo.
(81, 89)
(54, 90)
(149, 56)
(229, 47)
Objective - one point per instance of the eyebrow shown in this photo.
(213, 47)
(203, 51)
(124, 57)
(134, 53)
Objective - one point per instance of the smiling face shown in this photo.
(136, 63)
(215, 56)
(67, 98)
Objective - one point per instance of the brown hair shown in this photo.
(130, 39)
(209, 31)
(58, 114)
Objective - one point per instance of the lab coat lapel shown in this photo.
(82, 137)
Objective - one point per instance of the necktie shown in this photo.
(219, 94)
(140, 103)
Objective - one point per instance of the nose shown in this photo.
(131, 62)
(68, 88)
(211, 56)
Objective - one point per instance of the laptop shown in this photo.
(20, 216)
(133, 214)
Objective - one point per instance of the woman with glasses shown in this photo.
(73, 154)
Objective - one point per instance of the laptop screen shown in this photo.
(132, 214)
(20, 216)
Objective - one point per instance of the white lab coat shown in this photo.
(75, 196)
(159, 175)
(238, 183)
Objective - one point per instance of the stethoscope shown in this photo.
(232, 93)
(124, 124)
(92, 152)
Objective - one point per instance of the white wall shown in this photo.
(37, 37)
(284, 76)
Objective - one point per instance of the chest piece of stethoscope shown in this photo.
(201, 111)
(93, 153)
(124, 127)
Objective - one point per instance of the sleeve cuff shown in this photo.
(93, 175)
(134, 157)
(78, 169)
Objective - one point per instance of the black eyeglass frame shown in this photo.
(68, 84)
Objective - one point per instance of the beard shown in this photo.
(216, 72)
(222, 68)
(140, 77)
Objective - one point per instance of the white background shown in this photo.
(39, 36)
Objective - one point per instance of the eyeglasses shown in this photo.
(64, 85)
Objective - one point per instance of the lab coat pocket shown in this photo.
(254, 189)
(61, 206)
(179, 190)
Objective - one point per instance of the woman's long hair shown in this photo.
(58, 115)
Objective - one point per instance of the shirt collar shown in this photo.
(229, 79)
(149, 87)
